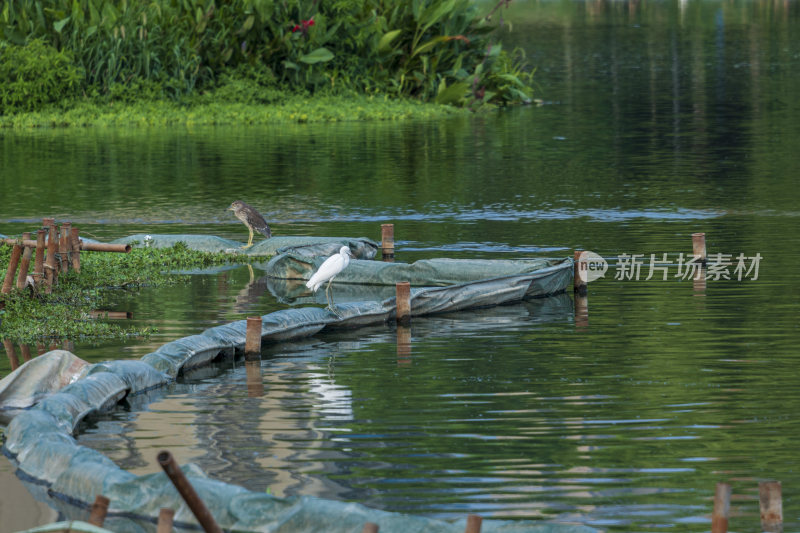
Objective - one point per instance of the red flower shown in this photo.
(305, 25)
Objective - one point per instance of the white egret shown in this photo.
(328, 270)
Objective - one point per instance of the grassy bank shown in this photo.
(204, 112)
(65, 313)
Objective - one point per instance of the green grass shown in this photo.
(291, 109)
(64, 314)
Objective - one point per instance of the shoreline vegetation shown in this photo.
(205, 62)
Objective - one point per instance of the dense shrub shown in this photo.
(34, 75)
(427, 49)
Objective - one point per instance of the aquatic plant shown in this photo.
(65, 313)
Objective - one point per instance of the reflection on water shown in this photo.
(622, 410)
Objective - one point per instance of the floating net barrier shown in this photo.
(361, 247)
(46, 399)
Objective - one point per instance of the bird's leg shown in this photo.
(331, 307)
(250, 240)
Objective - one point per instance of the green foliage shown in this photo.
(64, 314)
(426, 49)
(34, 75)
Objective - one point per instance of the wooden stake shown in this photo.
(387, 241)
(769, 495)
(165, 517)
(65, 246)
(11, 353)
(722, 508)
(252, 342)
(38, 264)
(370, 527)
(50, 262)
(403, 301)
(187, 492)
(76, 250)
(25, 264)
(12, 269)
(26, 352)
(699, 247)
(473, 524)
(99, 511)
(578, 277)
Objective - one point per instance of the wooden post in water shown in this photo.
(473, 524)
(403, 301)
(579, 274)
(76, 250)
(252, 341)
(722, 508)
(65, 246)
(50, 262)
(99, 511)
(387, 242)
(11, 353)
(38, 263)
(187, 492)
(699, 247)
(370, 527)
(13, 261)
(769, 496)
(165, 518)
(25, 264)
(26, 352)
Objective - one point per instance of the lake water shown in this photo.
(661, 120)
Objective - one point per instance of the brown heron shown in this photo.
(252, 219)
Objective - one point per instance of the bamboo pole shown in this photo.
(85, 246)
(111, 315)
(38, 264)
(99, 511)
(188, 493)
(75, 241)
(24, 264)
(65, 246)
(13, 261)
(769, 496)
(165, 517)
(403, 302)
(722, 508)
(105, 247)
(50, 262)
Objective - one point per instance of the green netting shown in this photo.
(40, 439)
(361, 247)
